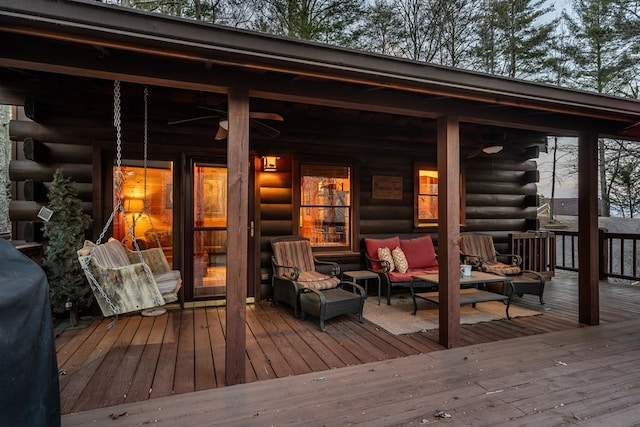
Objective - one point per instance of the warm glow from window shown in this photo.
(325, 205)
(426, 195)
(159, 212)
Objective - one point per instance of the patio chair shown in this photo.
(479, 251)
(311, 286)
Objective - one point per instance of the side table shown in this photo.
(354, 276)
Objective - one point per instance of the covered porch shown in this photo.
(382, 115)
(141, 361)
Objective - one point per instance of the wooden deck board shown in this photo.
(77, 382)
(205, 377)
(394, 392)
(166, 366)
(184, 351)
(216, 340)
(184, 380)
(142, 382)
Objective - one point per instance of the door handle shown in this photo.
(251, 228)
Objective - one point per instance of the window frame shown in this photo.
(428, 223)
(352, 207)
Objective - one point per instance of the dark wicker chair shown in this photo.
(311, 286)
(479, 251)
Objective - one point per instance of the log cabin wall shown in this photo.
(31, 171)
(500, 190)
(500, 195)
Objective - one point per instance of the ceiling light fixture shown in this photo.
(492, 149)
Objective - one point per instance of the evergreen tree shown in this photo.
(65, 230)
(602, 62)
(329, 21)
(600, 53)
(513, 40)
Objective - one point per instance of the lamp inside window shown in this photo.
(270, 163)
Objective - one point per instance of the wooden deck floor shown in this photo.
(584, 376)
(181, 352)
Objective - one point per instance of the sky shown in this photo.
(566, 182)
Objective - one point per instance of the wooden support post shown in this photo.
(588, 248)
(449, 229)
(237, 230)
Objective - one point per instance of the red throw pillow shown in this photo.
(419, 252)
(373, 245)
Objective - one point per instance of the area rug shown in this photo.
(397, 318)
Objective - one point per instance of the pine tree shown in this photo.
(328, 21)
(513, 39)
(65, 230)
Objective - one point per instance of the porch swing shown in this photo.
(123, 280)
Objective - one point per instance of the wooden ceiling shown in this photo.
(59, 100)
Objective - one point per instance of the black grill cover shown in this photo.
(28, 366)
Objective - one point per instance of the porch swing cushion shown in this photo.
(111, 254)
(123, 276)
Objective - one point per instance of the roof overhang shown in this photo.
(215, 57)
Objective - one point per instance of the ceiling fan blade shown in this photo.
(475, 153)
(217, 110)
(266, 116)
(221, 134)
(193, 119)
(266, 129)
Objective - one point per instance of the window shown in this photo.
(426, 194)
(155, 226)
(325, 205)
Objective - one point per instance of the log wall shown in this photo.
(500, 197)
(500, 190)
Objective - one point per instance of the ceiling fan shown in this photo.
(223, 122)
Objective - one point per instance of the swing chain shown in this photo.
(117, 122)
(145, 162)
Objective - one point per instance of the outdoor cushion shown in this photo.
(373, 245)
(420, 252)
(479, 245)
(167, 281)
(400, 260)
(111, 254)
(317, 280)
(385, 255)
(397, 277)
(294, 253)
(499, 268)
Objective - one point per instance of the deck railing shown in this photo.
(537, 250)
(618, 253)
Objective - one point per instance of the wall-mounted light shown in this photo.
(492, 149)
(270, 163)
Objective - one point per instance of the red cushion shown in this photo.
(419, 252)
(373, 245)
(395, 277)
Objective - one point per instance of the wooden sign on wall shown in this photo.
(386, 187)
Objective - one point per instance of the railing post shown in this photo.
(603, 253)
